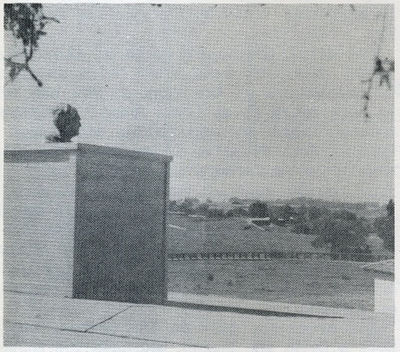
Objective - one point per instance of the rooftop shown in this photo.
(187, 321)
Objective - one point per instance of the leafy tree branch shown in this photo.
(26, 22)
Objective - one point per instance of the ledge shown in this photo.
(93, 148)
(266, 308)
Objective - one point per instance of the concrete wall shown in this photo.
(384, 296)
(39, 210)
(120, 226)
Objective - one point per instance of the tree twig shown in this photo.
(38, 81)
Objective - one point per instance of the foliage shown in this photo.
(384, 226)
(215, 213)
(306, 216)
(302, 227)
(26, 22)
(259, 210)
(316, 212)
(390, 208)
(342, 231)
(239, 211)
(288, 211)
(235, 200)
(384, 71)
(187, 206)
(173, 205)
(203, 209)
(345, 215)
(285, 212)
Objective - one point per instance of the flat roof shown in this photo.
(45, 321)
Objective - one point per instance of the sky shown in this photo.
(255, 102)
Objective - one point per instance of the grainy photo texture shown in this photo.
(199, 175)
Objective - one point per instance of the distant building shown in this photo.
(261, 223)
(197, 217)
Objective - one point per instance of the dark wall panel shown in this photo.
(120, 228)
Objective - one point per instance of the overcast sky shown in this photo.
(251, 101)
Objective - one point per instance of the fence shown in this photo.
(361, 257)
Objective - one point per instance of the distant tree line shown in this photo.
(340, 230)
(344, 231)
(192, 206)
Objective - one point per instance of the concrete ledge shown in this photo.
(12, 150)
(211, 329)
(272, 308)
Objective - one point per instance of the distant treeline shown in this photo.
(335, 226)
(313, 202)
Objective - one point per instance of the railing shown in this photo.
(362, 257)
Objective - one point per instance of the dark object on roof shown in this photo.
(68, 122)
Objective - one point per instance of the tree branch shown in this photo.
(26, 22)
(50, 19)
(38, 81)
